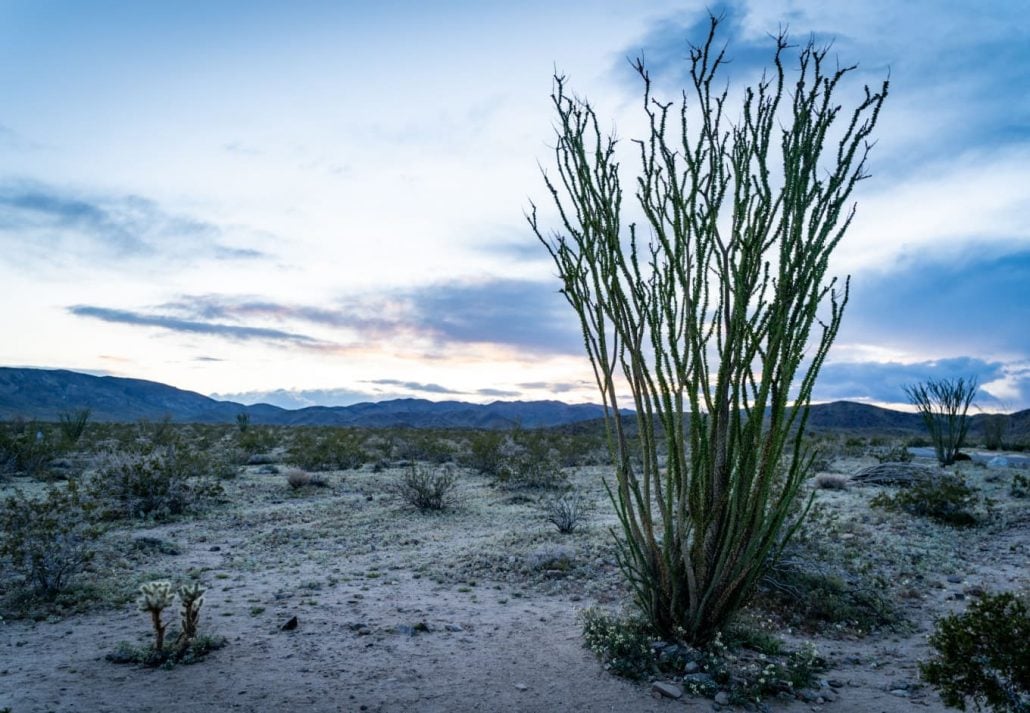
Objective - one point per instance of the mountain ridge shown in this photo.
(44, 394)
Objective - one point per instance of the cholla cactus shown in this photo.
(192, 598)
(154, 598)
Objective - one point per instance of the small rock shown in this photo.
(667, 690)
(954, 579)
(807, 695)
(899, 692)
(835, 683)
(722, 698)
(691, 667)
(453, 627)
(975, 591)
(521, 687)
(998, 462)
(214, 548)
(291, 624)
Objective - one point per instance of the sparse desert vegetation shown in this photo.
(399, 607)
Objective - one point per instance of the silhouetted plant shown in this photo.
(566, 512)
(995, 425)
(73, 425)
(713, 325)
(943, 404)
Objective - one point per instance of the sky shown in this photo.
(324, 202)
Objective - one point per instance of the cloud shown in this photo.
(885, 382)
(499, 393)
(46, 218)
(174, 324)
(415, 386)
(526, 315)
(974, 301)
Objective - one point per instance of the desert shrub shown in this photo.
(156, 433)
(623, 645)
(428, 488)
(49, 540)
(1020, 486)
(298, 479)
(894, 454)
(485, 452)
(811, 594)
(946, 498)
(425, 445)
(983, 655)
(829, 481)
(630, 648)
(326, 449)
(26, 448)
(566, 512)
(159, 484)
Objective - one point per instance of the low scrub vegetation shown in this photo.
(983, 656)
(946, 498)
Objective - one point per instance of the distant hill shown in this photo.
(44, 394)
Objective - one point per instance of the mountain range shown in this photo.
(45, 394)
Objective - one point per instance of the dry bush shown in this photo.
(829, 481)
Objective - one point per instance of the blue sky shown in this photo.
(322, 202)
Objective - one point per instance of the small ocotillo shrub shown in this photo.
(566, 512)
(983, 656)
(944, 404)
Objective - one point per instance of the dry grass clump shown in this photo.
(830, 481)
(299, 479)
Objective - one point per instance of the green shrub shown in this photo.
(160, 484)
(624, 645)
(894, 454)
(46, 541)
(326, 449)
(946, 498)
(26, 448)
(811, 595)
(485, 452)
(428, 489)
(983, 655)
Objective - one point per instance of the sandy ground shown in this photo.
(362, 573)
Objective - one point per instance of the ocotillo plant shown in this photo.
(155, 597)
(717, 327)
(944, 405)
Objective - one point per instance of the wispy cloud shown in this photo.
(174, 324)
(415, 386)
(521, 314)
(45, 217)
